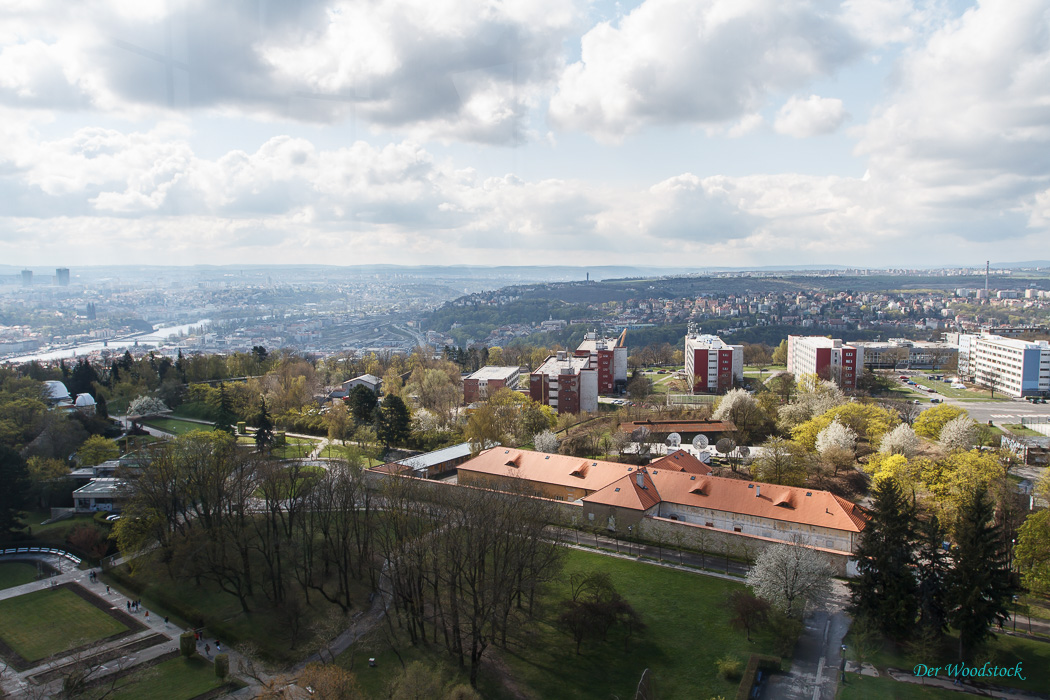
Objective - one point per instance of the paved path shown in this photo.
(14, 683)
(814, 672)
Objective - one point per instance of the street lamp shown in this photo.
(629, 532)
(842, 663)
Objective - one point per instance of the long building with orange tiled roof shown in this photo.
(677, 487)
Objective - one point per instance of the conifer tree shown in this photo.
(932, 570)
(980, 584)
(264, 428)
(884, 590)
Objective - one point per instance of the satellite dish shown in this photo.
(705, 457)
(700, 442)
(743, 451)
(674, 440)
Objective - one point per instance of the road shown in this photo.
(814, 672)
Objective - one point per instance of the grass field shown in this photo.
(1003, 650)
(963, 394)
(175, 426)
(1018, 429)
(688, 630)
(50, 621)
(174, 679)
(859, 687)
(16, 573)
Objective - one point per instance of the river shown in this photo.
(152, 339)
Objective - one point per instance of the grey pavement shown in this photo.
(815, 668)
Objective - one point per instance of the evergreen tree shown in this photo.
(980, 584)
(264, 428)
(884, 590)
(14, 475)
(224, 421)
(362, 402)
(932, 569)
(393, 421)
(101, 408)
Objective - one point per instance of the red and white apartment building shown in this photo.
(487, 381)
(566, 383)
(711, 364)
(828, 358)
(609, 357)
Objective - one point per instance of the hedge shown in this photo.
(755, 663)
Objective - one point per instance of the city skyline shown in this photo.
(662, 132)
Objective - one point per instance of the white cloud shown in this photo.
(446, 69)
(812, 116)
(710, 62)
(965, 135)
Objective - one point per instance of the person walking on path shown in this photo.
(129, 605)
(147, 616)
(207, 650)
(107, 590)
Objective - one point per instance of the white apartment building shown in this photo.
(1014, 367)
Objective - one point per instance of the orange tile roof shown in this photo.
(625, 492)
(787, 503)
(682, 461)
(559, 470)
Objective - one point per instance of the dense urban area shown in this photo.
(524, 482)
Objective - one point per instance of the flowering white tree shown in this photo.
(790, 575)
(146, 406)
(424, 421)
(819, 395)
(902, 440)
(836, 436)
(545, 442)
(959, 434)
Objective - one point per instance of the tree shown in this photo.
(1032, 553)
(884, 589)
(979, 585)
(836, 436)
(96, 450)
(930, 421)
(901, 441)
(745, 413)
(931, 568)
(780, 354)
(145, 406)
(393, 421)
(545, 442)
(781, 462)
(749, 611)
(958, 434)
(790, 575)
(595, 607)
(263, 428)
(330, 682)
(14, 476)
(225, 418)
(362, 402)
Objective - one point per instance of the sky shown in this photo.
(866, 133)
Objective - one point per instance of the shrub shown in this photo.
(222, 665)
(729, 668)
(187, 644)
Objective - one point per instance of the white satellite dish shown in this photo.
(674, 440)
(700, 442)
(704, 457)
(743, 451)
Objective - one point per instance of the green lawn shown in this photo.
(174, 679)
(1003, 650)
(16, 573)
(39, 624)
(945, 389)
(859, 687)
(1018, 429)
(688, 630)
(176, 426)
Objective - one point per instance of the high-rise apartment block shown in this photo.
(62, 276)
(1009, 365)
(609, 357)
(566, 383)
(828, 358)
(711, 364)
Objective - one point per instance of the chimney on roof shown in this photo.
(758, 490)
(641, 480)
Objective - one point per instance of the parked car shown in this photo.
(935, 400)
